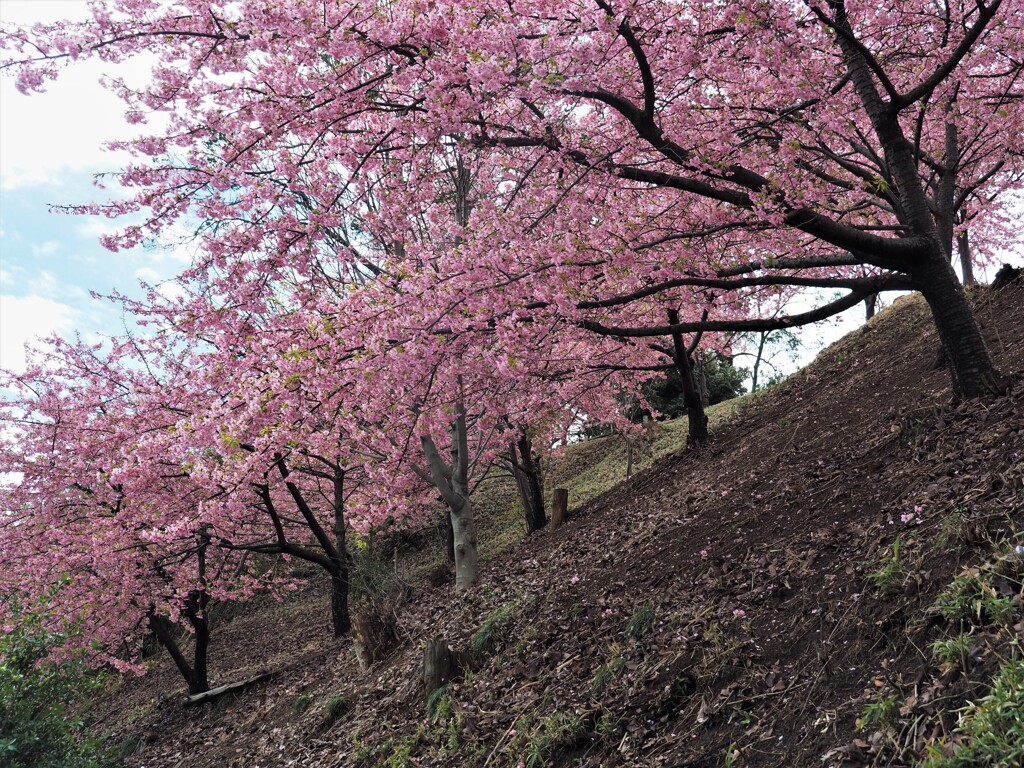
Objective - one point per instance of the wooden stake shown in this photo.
(559, 507)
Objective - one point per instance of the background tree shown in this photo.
(88, 446)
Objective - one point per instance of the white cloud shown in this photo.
(147, 274)
(48, 248)
(95, 227)
(45, 283)
(171, 291)
(44, 135)
(24, 319)
(31, 11)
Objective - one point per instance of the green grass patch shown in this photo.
(555, 732)
(488, 636)
(642, 620)
(302, 703)
(891, 571)
(974, 597)
(991, 731)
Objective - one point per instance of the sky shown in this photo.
(50, 263)
(50, 149)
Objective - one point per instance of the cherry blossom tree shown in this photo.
(733, 145)
(426, 228)
(100, 519)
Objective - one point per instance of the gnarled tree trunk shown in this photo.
(526, 471)
(697, 420)
(968, 359)
(194, 672)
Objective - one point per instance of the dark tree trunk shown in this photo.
(967, 357)
(195, 674)
(526, 471)
(341, 620)
(201, 652)
(559, 507)
(373, 637)
(762, 341)
(697, 421)
(439, 666)
(963, 245)
(700, 380)
(341, 562)
(870, 306)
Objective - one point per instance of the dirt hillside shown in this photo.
(773, 599)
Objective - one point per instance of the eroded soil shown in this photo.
(739, 605)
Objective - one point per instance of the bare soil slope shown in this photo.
(742, 605)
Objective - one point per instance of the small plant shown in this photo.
(441, 704)
(891, 574)
(954, 650)
(918, 423)
(485, 639)
(606, 673)
(602, 677)
(607, 725)
(364, 754)
(557, 731)
(962, 526)
(336, 707)
(971, 597)
(881, 713)
(399, 756)
(991, 730)
(530, 634)
(641, 621)
(301, 704)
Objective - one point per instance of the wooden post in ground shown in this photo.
(438, 665)
(559, 507)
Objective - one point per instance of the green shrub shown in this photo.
(302, 703)
(39, 727)
(891, 572)
(336, 707)
(953, 650)
(557, 731)
(972, 597)
(880, 713)
(486, 639)
(991, 731)
(642, 620)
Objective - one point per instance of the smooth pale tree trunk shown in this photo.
(452, 481)
(466, 563)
